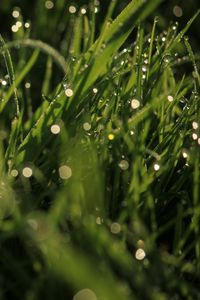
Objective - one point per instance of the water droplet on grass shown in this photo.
(83, 11)
(69, 92)
(95, 90)
(85, 294)
(194, 136)
(14, 173)
(170, 98)
(65, 172)
(195, 125)
(49, 4)
(115, 228)
(15, 14)
(140, 254)
(111, 137)
(124, 165)
(55, 129)
(135, 103)
(86, 126)
(72, 9)
(156, 167)
(27, 85)
(27, 172)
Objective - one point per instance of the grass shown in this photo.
(99, 152)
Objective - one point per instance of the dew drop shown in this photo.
(27, 85)
(86, 126)
(115, 228)
(15, 14)
(124, 165)
(135, 104)
(85, 294)
(170, 98)
(65, 172)
(72, 9)
(83, 11)
(195, 125)
(27, 25)
(27, 172)
(14, 28)
(4, 82)
(144, 69)
(55, 129)
(95, 90)
(14, 173)
(177, 11)
(140, 254)
(49, 4)
(69, 92)
(194, 136)
(111, 137)
(185, 154)
(156, 167)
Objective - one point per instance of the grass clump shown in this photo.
(99, 150)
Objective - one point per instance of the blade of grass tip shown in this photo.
(116, 35)
(75, 47)
(151, 45)
(20, 77)
(10, 70)
(192, 57)
(112, 36)
(182, 32)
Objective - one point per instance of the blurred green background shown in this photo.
(177, 10)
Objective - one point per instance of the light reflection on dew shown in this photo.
(86, 126)
(124, 165)
(19, 24)
(55, 129)
(69, 92)
(185, 154)
(27, 85)
(170, 98)
(14, 28)
(140, 254)
(156, 167)
(65, 172)
(98, 221)
(27, 25)
(49, 4)
(144, 69)
(83, 11)
(4, 82)
(14, 173)
(27, 172)
(111, 137)
(95, 90)
(115, 228)
(195, 125)
(15, 14)
(85, 294)
(72, 9)
(194, 136)
(135, 104)
(177, 11)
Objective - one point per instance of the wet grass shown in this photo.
(99, 157)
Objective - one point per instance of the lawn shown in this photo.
(99, 151)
